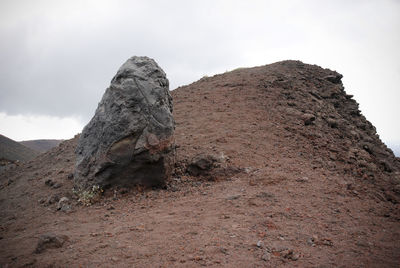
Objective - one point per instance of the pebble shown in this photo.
(50, 240)
(224, 251)
(260, 244)
(115, 259)
(310, 242)
(308, 119)
(295, 257)
(52, 199)
(266, 256)
(303, 179)
(290, 255)
(63, 204)
(49, 182)
(56, 185)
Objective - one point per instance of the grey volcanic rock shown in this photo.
(130, 138)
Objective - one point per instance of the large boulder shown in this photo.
(130, 138)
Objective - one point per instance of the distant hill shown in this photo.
(12, 150)
(41, 145)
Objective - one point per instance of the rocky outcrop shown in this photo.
(130, 138)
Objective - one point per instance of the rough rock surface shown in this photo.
(130, 138)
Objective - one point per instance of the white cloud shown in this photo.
(31, 127)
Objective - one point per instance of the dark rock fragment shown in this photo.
(332, 123)
(308, 119)
(50, 240)
(203, 163)
(336, 79)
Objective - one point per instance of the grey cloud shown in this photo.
(62, 67)
(57, 57)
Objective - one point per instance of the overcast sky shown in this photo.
(58, 57)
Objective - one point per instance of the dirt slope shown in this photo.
(12, 150)
(41, 145)
(311, 186)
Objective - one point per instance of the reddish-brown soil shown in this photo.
(324, 193)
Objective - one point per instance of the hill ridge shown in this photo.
(41, 145)
(12, 150)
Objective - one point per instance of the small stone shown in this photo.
(224, 251)
(201, 164)
(308, 119)
(54, 198)
(65, 208)
(114, 259)
(295, 257)
(335, 79)
(64, 199)
(386, 166)
(233, 197)
(56, 185)
(49, 182)
(260, 244)
(303, 179)
(266, 256)
(332, 123)
(173, 188)
(63, 204)
(50, 240)
(290, 255)
(327, 242)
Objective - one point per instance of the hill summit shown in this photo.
(300, 108)
(275, 166)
